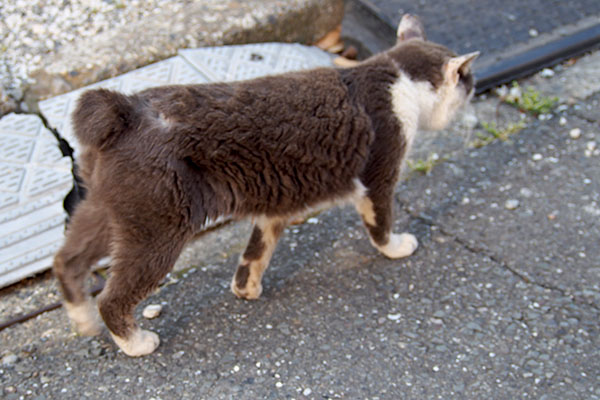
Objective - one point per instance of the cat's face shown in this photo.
(456, 89)
(445, 80)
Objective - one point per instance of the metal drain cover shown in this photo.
(35, 178)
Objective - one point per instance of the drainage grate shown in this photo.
(35, 177)
(233, 63)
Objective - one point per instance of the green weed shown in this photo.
(532, 101)
(425, 166)
(492, 132)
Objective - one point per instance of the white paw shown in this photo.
(252, 290)
(139, 343)
(399, 245)
(85, 317)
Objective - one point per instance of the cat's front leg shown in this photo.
(246, 282)
(376, 212)
(399, 245)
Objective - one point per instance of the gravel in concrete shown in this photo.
(54, 46)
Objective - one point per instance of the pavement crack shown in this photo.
(470, 247)
(63, 144)
(584, 117)
(467, 245)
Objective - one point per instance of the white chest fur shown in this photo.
(408, 100)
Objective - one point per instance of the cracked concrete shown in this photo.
(476, 249)
(542, 160)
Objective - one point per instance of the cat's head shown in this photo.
(444, 79)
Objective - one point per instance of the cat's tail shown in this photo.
(102, 116)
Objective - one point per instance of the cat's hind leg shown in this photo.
(142, 256)
(376, 213)
(86, 242)
(246, 282)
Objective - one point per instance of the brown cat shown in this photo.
(160, 164)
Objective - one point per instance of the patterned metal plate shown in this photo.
(233, 63)
(34, 177)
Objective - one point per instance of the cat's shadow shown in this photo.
(330, 256)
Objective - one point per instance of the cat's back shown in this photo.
(303, 117)
(288, 140)
(217, 108)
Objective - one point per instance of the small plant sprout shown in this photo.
(530, 100)
(425, 166)
(492, 132)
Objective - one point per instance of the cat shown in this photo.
(161, 164)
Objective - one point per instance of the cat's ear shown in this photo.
(457, 66)
(410, 27)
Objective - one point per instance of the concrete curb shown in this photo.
(207, 23)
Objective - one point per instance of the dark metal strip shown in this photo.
(533, 60)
